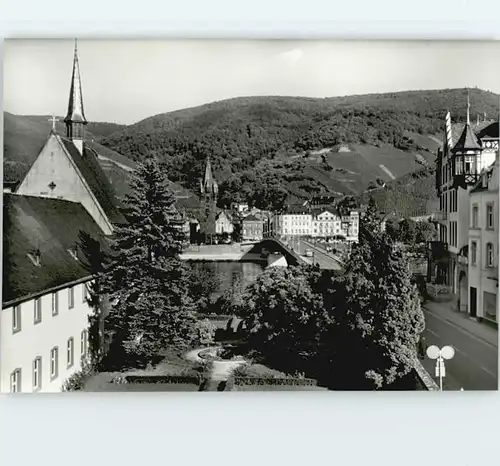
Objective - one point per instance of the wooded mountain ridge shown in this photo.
(264, 149)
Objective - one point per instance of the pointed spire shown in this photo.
(468, 139)
(209, 185)
(75, 105)
(468, 108)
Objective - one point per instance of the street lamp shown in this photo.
(446, 352)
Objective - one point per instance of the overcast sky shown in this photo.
(126, 81)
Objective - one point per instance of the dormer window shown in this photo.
(35, 258)
(73, 252)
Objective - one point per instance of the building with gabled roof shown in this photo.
(67, 169)
(64, 205)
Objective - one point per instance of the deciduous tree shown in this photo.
(379, 316)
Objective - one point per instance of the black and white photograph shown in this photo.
(249, 215)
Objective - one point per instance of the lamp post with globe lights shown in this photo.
(440, 355)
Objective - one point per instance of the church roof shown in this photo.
(95, 177)
(51, 226)
(467, 140)
(75, 105)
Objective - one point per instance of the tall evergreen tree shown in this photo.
(146, 281)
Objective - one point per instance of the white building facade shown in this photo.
(483, 247)
(323, 224)
(44, 340)
(223, 224)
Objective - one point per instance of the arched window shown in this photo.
(489, 255)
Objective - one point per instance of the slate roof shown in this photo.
(467, 140)
(97, 180)
(51, 226)
(484, 178)
(491, 131)
(75, 105)
(458, 128)
(251, 218)
(315, 212)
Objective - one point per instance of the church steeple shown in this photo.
(75, 118)
(209, 186)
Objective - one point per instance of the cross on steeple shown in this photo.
(53, 119)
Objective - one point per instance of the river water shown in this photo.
(231, 274)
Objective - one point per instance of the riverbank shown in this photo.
(221, 253)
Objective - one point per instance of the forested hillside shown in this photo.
(271, 150)
(274, 146)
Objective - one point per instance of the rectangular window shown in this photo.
(55, 303)
(489, 216)
(475, 216)
(15, 381)
(38, 311)
(70, 352)
(473, 253)
(16, 319)
(54, 363)
(84, 293)
(83, 343)
(489, 255)
(71, 297)
(37, 374)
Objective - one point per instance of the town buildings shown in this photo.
(224, 224)
(459, 169)
(252, 228)
(317, 224)
(63, 207)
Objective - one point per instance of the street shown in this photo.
(320, 256)
(475, 364)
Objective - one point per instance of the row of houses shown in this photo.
(464, 260)
(296, 221)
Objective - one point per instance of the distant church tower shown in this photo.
(75, 118)
(208, 186)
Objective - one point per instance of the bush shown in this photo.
(206, 332)
(77, 381)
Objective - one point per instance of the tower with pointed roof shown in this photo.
(208, 185)
(68, 169)
(75, 120)
(466, 155)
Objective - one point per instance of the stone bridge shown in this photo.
(271, 251)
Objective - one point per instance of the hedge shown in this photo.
(165, 379)
(288, 381)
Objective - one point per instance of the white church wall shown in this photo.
(54, 166)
